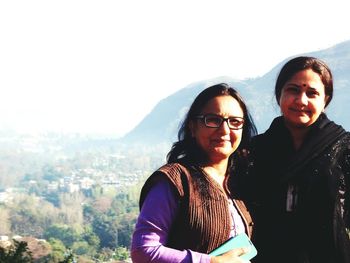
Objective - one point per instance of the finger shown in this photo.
(240, 251)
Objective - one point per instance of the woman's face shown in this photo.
(302, 99)
(218, 143)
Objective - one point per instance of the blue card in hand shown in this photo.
(241, 240)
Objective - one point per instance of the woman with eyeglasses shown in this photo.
(187, 209)
(298, 187)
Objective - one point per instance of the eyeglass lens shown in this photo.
(216, 121)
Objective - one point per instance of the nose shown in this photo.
(224, 126)
(302, 98)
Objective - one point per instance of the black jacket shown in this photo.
(300, 200)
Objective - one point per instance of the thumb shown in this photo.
(240, 251)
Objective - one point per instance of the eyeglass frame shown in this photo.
(203, 118)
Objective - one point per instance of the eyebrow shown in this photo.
(218, 115)
(300, 86)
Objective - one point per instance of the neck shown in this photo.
(298, 135)
(217, 171)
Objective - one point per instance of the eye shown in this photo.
(292, 89)
(236, 122)
(312, 93)
(213, 120)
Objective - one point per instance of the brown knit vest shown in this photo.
(203, 221)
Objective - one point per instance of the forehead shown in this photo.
(224, 105)
(306, 78)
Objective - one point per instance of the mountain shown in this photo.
(162, 123)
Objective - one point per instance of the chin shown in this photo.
(300, 124)
(223, 154)
(301, 121)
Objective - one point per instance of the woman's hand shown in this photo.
(231, 256)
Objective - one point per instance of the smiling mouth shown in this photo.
(299, 111)
(222, 141)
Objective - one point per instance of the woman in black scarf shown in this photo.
(298, 185)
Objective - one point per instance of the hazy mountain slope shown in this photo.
(162, 123)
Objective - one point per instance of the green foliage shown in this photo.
(105, 254)
(106, 229)
(121, 253)
(36, 188)
(69, 258)
(53, 198)
(95, 225)
(16, 253)
(68, 235)
(126, 225)
(83, 248)
(96, 191)
(58, 250)
(89, 213)
(5, 223)
(51, 174)
(91, 238)
(26, 220)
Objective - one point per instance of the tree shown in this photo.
(83, 248)
(68, 235)
(58, 250)
(18, 252)
(90, 237)
(106, 229)
(69, 258)
(53, 198)
(5, 223)
(40, 249)
(121, 253)
(51, 174)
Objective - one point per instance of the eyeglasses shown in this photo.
(215, 121)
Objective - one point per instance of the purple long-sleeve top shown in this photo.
(153, 226)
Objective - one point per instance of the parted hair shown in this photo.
(297, 64)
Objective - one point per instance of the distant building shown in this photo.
(17, 237)
(52, 186)
(4, 238)
(5, 242)
(86, 183)
(5, 197)
(72, 188)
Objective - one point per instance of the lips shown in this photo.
(299, 111)
(221, 141)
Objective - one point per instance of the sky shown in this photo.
(99, 67)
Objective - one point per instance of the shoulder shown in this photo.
(173, 169)
(340, 153)
(176, 174)
(258, 139)
(258, 143)
(347, 140)
(345, 143)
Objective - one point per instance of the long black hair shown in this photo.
(186, 148)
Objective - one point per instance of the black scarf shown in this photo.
(323, 133)
(294, 236)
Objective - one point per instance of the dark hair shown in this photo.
(297, 64)
(186, 148)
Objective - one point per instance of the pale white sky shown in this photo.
(101, 66)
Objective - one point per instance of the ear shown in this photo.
(326, 101)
